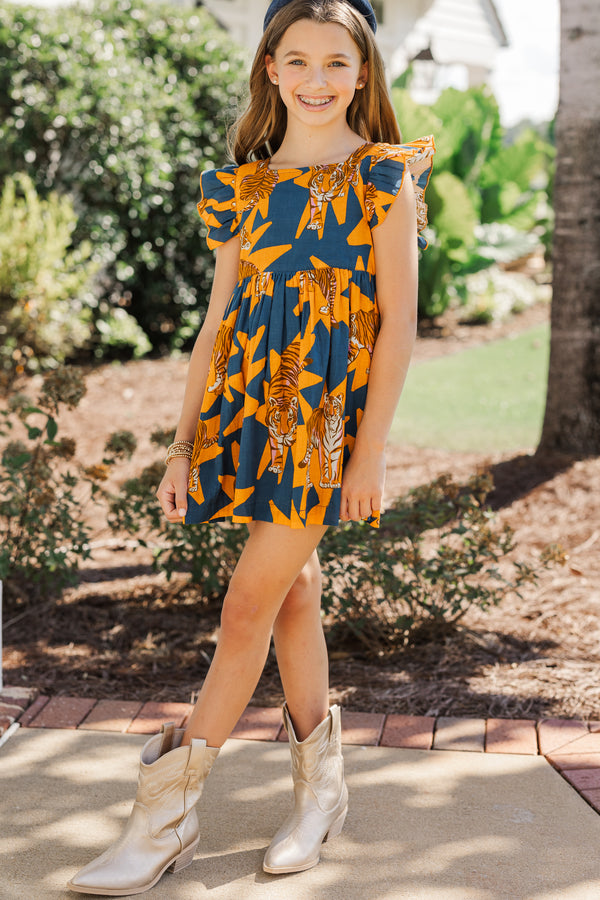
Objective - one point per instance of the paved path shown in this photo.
(455, 815)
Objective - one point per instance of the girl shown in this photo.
(277, 428)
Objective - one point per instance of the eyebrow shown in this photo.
(331, 55)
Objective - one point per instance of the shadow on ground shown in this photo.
(421, 826)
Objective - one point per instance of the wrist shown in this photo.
(179, 449)
(371, 443)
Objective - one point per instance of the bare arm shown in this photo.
(395, 248)
(172, 491)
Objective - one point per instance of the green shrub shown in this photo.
(435, 556)
(208, 552)
(120, 105)
(44, 286)
(43, 491)
(479, 178)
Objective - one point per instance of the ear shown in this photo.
(363, 75)
(270, 67)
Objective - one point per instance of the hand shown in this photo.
(172, 491)
(362, 484)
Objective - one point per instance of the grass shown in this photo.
(483, 399)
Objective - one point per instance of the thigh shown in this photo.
(272, 559)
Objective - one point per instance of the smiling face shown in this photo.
(318, 68)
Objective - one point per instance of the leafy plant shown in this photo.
(120, 105)
(45, 291)
(208, 552)
(489, 199)
(437, 555)
(43, 535)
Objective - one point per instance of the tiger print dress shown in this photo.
(290, 366)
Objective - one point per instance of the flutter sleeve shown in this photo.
(218, 207)
(386, 174)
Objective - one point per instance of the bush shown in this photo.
(479, 178)
(43, 535)
(44, 287)
(434, 558)
(208, 552)
(120, 105)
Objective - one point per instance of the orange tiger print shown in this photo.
(245, 240)
(328, 182)
(282, 404)
(325, 279)
(325, 433)
(221, 352)
(258, 185)
(247, 269)
(370, 198)
(201, 442)
(363, 332)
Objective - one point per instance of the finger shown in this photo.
(166, 497)
(365, 508)
(181, 499)
(354, 509)
(343, 509)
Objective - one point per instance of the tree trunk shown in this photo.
(572, 418)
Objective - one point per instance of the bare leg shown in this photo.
(302, 652)
(270, 563)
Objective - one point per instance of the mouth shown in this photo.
(315, 102)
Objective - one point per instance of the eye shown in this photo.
(296, 62)
(338, 62)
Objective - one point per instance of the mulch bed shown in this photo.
(125, 632)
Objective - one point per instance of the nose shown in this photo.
(317, 77)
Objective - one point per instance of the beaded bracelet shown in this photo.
(179, 448)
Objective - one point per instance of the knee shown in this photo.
(242, 615)
(305, 593)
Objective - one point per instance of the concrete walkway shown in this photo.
(423, 824)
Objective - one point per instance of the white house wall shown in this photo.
(458, 31)
(461, 32)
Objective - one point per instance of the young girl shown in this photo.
(313, 300)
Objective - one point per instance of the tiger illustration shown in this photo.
(328, 182)
(370, 197)
(282, 404)
(325, 432)
(363, 332)
(262, 284)
(258, 185)
(221, 352)
(245, 240)
(201, 443)
(325, 279)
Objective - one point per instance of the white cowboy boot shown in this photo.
(320, 797)
(163, 829)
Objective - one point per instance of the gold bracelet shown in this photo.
(179, 448)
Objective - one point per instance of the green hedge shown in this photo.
(121, 105)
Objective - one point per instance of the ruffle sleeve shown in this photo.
(386, 174)
(218, 207)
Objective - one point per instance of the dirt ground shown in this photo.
(125, 632)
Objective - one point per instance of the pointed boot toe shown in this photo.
(162, 831)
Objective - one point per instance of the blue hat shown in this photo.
(363, 6)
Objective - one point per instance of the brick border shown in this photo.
(571, 746)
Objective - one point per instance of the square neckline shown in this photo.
(332, 165)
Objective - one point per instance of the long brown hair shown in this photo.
(259, 131)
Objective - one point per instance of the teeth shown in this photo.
(312, 102)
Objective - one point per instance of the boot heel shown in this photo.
(184, 859)
(337, 826)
